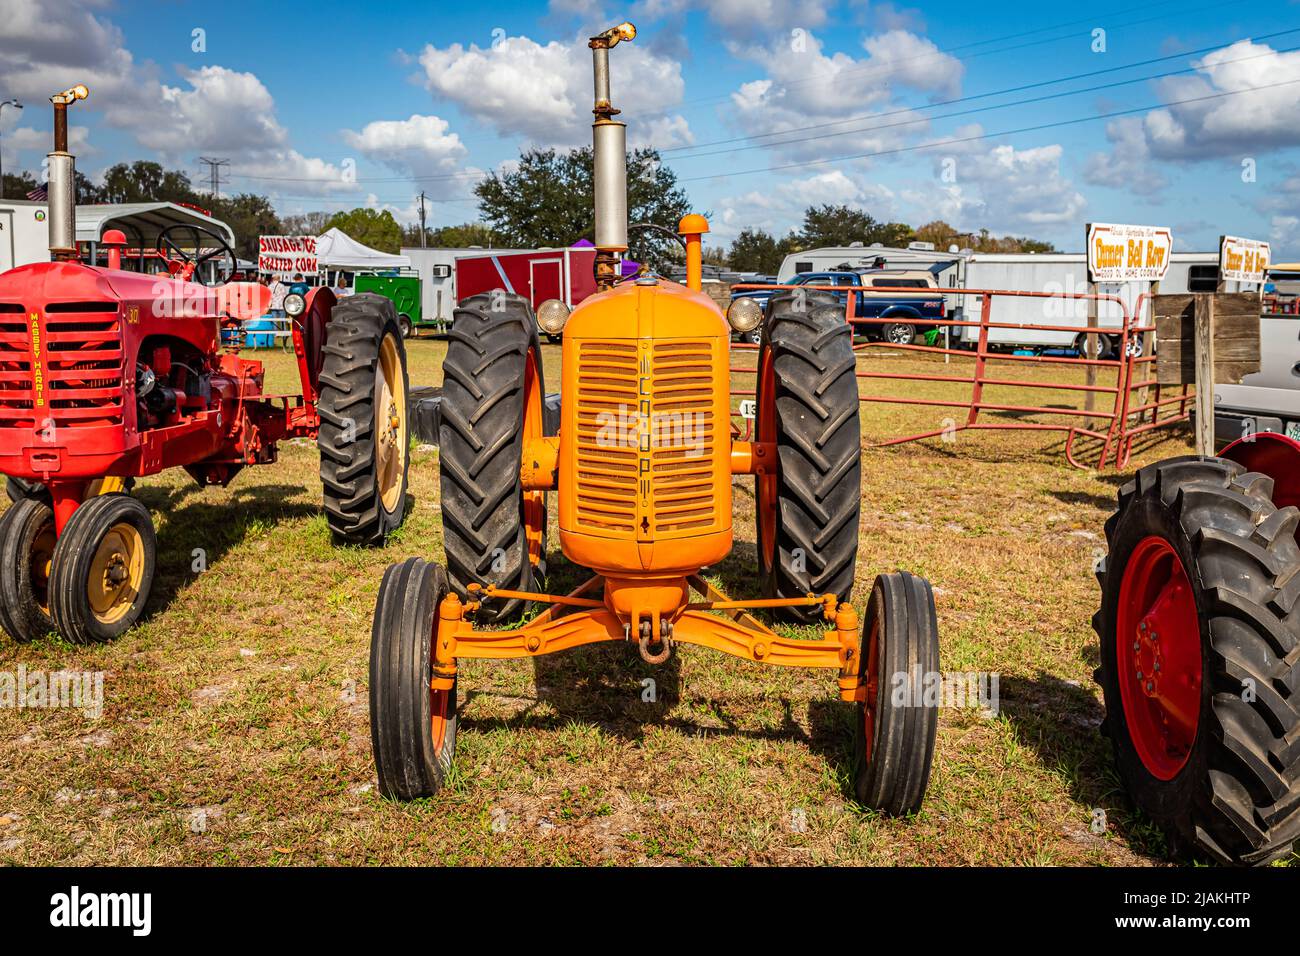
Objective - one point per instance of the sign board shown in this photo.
(287, 255)
(1242, 260)
(1119, 253)
(1236, 336)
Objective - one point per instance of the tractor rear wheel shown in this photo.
(896, 726)
(412, 727)
(364, 436)
(27, 540)
(808, 406)
(1200, 657)
(103, 569)
(494, 531)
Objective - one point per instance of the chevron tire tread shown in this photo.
(819, 451)
(1237, 799)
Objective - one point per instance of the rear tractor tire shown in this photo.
(895, 727)
(808, 405)
(1200, 657)
(27, 541)
(412, 727)
(102, 570)
(494, 531)
(364, 437)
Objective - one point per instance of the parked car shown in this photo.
(1268, 400)
(914, 313)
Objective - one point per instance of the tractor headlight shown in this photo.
(294, 304)
(551, 316)
(744, 314)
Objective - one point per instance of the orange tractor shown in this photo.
(643, 465)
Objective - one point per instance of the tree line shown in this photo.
(544, 200)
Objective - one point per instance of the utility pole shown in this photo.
(214, 173)
(422, 234)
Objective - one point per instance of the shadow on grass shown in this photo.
(1062, 723)
(192, 523)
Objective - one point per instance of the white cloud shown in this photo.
(1129, 165)
(779, 208)
(421, 146)
(542, 93)
(1000, 188)
(807, 88)
(1238, 125)
(746, 18)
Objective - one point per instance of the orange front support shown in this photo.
(558, 630)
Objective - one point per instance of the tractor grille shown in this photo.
(645, 453)
(77, 382)
(607, 460)
(682, 460)
(15, 368)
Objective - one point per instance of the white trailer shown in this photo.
(1024, 272)
(437, 268)
(24, 233)
(1064, 273)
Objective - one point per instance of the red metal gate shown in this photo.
(1123, 415)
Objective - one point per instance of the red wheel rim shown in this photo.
(1158, 655)
(871, 678)
(765, 431)
(439, 702)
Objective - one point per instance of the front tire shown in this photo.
(1200, 657)
(896, 727)
(103, 569)
(27, 540)
(412, 728)
(364, 434)
(808, 405)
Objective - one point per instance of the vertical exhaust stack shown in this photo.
(61, 179)
(609, 160)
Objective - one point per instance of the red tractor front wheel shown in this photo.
(1200, 657)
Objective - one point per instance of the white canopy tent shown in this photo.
(337, 250)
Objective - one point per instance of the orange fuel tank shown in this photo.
(645, 438)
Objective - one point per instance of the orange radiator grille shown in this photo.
(645, 438)
(606, 464)
(682, 426)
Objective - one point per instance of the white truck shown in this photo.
(24, 233)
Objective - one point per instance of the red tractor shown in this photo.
(1200, 648)
(108, 375)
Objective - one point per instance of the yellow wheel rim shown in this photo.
(105, 486)
(41, 558)
(116, 573)
(390, 423)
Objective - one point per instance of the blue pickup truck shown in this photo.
(914, 313)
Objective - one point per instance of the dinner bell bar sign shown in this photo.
(1242, 260)
(287, 255)
(1119, 253)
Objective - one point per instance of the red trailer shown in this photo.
(537, 275)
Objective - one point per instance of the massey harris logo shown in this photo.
(38, 371)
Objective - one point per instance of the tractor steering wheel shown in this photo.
(186, 264)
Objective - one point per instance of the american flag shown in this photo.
(39, 194)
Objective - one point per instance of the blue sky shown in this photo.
(329, 105)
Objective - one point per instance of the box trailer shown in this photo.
(24, 233)
(537, 275)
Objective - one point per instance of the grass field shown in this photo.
(235, 723)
